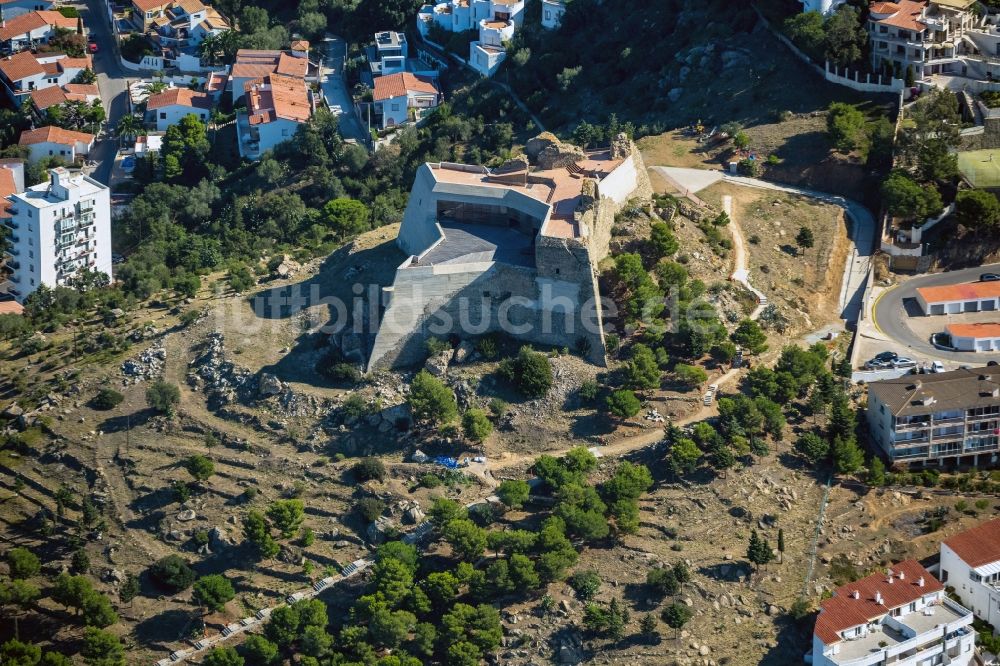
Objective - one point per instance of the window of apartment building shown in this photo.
(31, 268)
(395, 107)
(548, 14)
(163, 115)
(31, 254)
(974, 577)
(883, 29)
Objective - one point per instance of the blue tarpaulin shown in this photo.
(450, 463)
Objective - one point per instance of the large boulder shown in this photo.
(548, 152)
(269, 384)
(380, 530)
(437, 365)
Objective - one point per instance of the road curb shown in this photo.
(875, 310)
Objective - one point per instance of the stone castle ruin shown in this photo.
(512, 249)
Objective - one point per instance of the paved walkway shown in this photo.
(335, 91)
(741, 272)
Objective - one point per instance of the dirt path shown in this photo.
(626, 444)
(741, 271)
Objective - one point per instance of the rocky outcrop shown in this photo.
(548, 152)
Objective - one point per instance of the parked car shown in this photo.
(876, 364)
(886, 356)
(937, 366)
(989, 277)
(904, 363)
(92, 46)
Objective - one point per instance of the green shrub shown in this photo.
(529, 371)
(368, 469)
(106, 398)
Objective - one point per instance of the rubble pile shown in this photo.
(147, 365)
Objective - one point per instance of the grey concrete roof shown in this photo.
(471, 243)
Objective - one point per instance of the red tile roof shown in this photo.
(982, 330)
(20, 66)
(179, 97)
(960, 292)
(300, 45)
(903, 14)
(11, 307)
(843, 611)
(82, 89)
(397, 85)
(253, 64)
(53, 134)
(277, 96)
(150, 5)
(8, 186)
(978, 546)
(43, 98)
(25, 23)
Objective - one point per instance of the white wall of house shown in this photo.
(552, 13)
(955, 307)
(165, 116)
(393, 111)
(974, 344)
(483, 61)
(66, 152)
(41, 34)
(273, 133)
(983, 600)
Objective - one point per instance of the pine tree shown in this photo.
(781, 544)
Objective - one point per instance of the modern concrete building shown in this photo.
(402, 97)
(970, 564)
(552, 13)
(170, 106)
(513, 249)
(822, 6)
(496, 21)
(58, 229)
(13, 8)
(957, 298)
(974, 337)
(901, 617)
(933, 419)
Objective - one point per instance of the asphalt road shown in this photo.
(335, 90)
(895, 306)
(111, 79)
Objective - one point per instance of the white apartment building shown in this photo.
(400, 98)
(58, 229)
(901, 617)
(947, 417)
(496, 21)
(970, 563)
(552, 13)
(822, 6)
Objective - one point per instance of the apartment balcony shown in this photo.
(954, 420)
(903, 426)
(949, 437)
(907, 454)
(981, 417)
(494, 32)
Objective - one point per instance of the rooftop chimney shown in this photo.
(920, 582)
(855, 595)
(889, 579)
(878, 597)
(902, 575)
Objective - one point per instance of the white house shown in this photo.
(552, 13)
(23, 72)
(496, 21)
(970, 563)
(31, 28)
(956, 298)
(276, 106)
(59, 228)
(13, 8)
(170, 106)
(54, 141)
(821, 6)
(252, 64)
(396, 94)
(901, 617)
(391, 52)
(11, 182)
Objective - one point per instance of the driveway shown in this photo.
(113, 82)
(335, 90)
(894, 308)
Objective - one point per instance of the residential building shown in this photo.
(179, 25)
(32, 28)
(390, 54)
(402, 97)
(57, 229)
(276, 106)
(170, 106)
(822, 6)
(251, 65)
(150, 143)
(25, 71)
(934, 419)
(970, 564)
(53, 141)
(974, 337)
(901, 617)
(514, 248)
(928, 37)
(43, 98)
(11, 182)
(956, 298)
(552, 13)
(495, 20)
(10, 9)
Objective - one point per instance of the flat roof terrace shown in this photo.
(466, 243)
